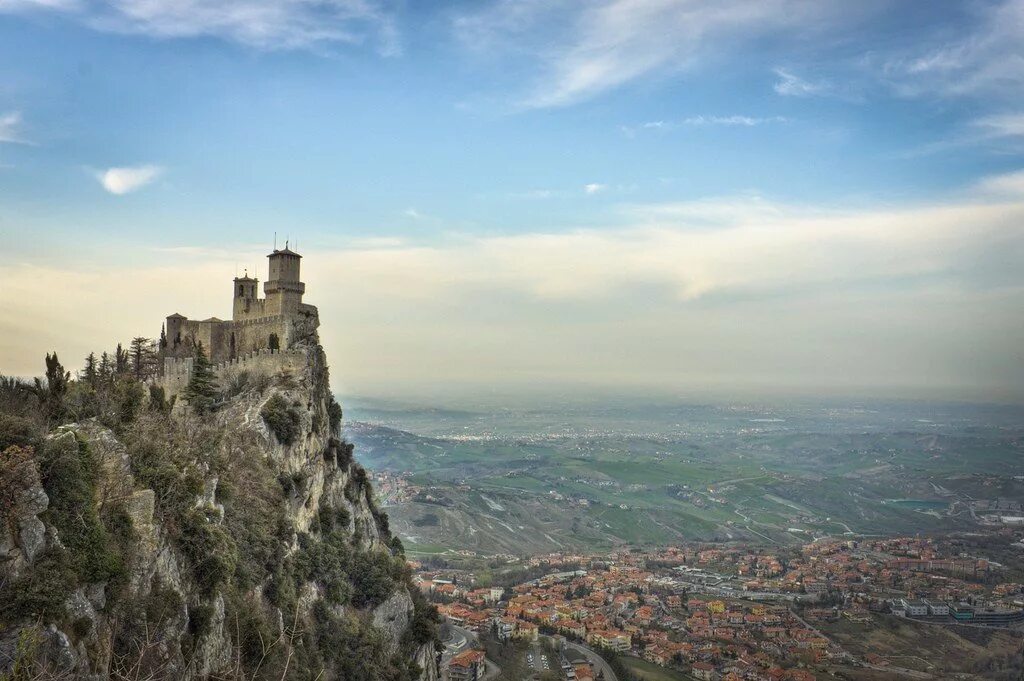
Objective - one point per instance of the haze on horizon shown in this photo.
(644, 195)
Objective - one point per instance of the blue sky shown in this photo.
(435, 137)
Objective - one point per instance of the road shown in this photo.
(595, 659)
(463, 639)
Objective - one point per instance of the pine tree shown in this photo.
(143, 357)
(163, 337)
(104, 371)
(57, 379)
(202, 388)
(89, 374)
(120, 360)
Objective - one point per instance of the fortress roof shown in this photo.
(284, 251)
(245, 278)
(177, 316)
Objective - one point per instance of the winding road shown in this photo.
(594, 659)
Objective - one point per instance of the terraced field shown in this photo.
(720, 477)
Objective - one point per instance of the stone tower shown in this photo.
(283, 288)
(257, 324)
(246, 298)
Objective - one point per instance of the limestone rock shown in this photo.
(392, 618)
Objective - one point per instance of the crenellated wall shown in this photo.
(178, 370)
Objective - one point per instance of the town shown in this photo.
(722, 612)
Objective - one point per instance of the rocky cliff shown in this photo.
(146, 542)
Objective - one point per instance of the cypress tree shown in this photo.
(120, 360)
(90, 370)
(202, 388)
(104, 370)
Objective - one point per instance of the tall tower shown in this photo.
(245, 297)
(283, 288)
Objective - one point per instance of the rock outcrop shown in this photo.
(241, 543)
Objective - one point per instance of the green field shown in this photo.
(651, 672)
(784, 488)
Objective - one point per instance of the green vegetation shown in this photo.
(223, 507)
(648, 671)
(201, 391)
(282, 419)
(69, 475)
(41, 591)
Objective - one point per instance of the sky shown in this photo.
(650, 195)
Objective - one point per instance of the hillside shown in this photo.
(142, 538)
(592, 479)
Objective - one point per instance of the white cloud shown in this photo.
(1001, 125)
(791, 85)
(14, 6)
(733, 289)
(703, 121)
(745, 121)
(263, 24)
(10, 128)
(986, 58)
(585, 49)
(128, 179)
(594, 188)
(1008, 184)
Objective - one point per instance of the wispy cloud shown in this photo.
(14, 6)
(602, 45)
(986, 58)
(792, 85)
(670, 290)
(10, 128)
(1006, 185)
(703, 121)
(128, 179)
(1000, 133)
(1000, 126)
(262, 24)
(594, 188)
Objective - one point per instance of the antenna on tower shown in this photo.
(275, 241)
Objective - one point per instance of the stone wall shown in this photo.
(178, 370)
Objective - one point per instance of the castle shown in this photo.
(275, 322)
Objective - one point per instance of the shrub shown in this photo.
(69, 478)
(158, 398)
(17, 431)
(333, 519)
(374, 574)
(334, 415)
(18, 472)
(282, 419)
(40, 592)
(163, 603)
(325, 561)
(254, 515)
(209, 549)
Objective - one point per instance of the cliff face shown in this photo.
(242, 543)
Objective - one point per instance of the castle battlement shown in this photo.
(252, 359)
(275, 321)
